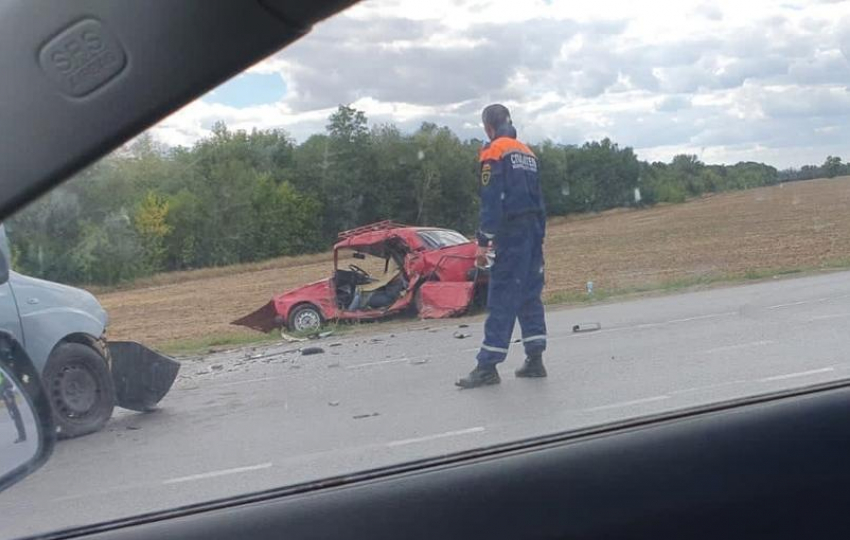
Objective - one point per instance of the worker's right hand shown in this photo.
(481, 257)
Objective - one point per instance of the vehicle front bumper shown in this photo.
(142, 376)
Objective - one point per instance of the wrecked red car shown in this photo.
(379, 270)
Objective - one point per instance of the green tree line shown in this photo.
(239, 196)
(833, 166)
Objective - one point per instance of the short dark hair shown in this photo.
(496, 116)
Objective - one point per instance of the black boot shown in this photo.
(532, 368)
(480, 376)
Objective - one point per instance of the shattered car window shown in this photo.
(454, 231)
(437, 239)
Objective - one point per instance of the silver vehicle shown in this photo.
(63, 330)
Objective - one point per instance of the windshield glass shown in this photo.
(626, 211)
(436, 239)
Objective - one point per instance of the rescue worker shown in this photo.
(7, 393)
(513, 223)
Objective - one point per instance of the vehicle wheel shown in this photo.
(80, 389)
(305, 318)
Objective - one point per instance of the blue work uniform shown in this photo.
(513, 218)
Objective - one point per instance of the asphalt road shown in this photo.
(264, 418)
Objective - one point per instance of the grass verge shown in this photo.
(223, 342)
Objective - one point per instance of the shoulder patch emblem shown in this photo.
(485, 174)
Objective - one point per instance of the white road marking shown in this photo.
(780, 306)
(801, 303)
(798, 374)
(828, 317)
(626, 403)
(380, 363)
(404, 442)
(247, 381)
(677, 321)
(707, 387)
(630, 327)
(215, 474)
(646, 325)
(738, 346)
(703, 317)
(581, 335)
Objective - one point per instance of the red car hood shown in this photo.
(272, 314)
(316, 286)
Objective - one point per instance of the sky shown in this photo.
(727, 80)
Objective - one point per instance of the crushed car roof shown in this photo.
(380, 232)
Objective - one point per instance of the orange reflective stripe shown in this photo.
(490, 153)
(512, 145)
(502, 146)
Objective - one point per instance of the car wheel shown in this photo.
(305, 318)
(80, 389)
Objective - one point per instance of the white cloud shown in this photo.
(673, 103)
(726, 77)
(844, 37)
(710, 11)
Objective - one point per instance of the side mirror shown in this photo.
(27, 434)
(4, 268)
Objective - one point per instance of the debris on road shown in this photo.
(307, 351)
(133, 428)
(461, 335)
(216, 367)
(587, 327)
(335, 345)
(314, 336)
(292, 339)
(333, 403)
(463, 326)
(361, 416)
(419, 361)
